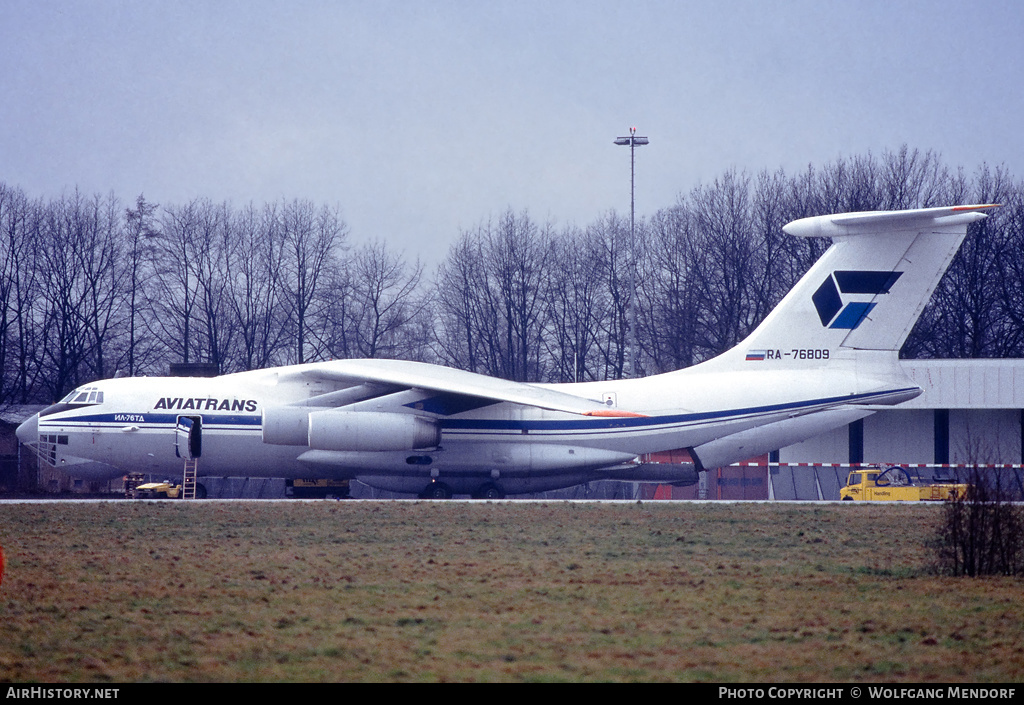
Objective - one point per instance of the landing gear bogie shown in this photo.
(489, 491)
(436, 490)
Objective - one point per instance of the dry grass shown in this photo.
(452, 591)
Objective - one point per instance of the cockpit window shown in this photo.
(84, 395)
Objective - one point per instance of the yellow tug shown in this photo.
(898, 484)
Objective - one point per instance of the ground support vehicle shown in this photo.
(157, 490)
(898, 484)
(317, 489)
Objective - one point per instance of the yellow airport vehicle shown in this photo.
(157, 490)
(898, 484)
(317, 489)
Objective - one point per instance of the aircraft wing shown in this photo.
(399, 375)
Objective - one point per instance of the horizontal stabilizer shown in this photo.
(870, 222)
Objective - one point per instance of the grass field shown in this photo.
(506, 591)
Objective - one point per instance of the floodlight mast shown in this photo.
(633, 141)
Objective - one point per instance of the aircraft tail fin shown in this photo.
(864, 294)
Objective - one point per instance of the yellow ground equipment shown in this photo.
(898, 484)
(157, 490)
(317, 489)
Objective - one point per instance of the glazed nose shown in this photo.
(28, 432)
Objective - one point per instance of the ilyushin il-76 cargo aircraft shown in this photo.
(824, 357)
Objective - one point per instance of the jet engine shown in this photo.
(349, 430)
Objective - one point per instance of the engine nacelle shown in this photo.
(286, 426)
(371, 430)
(349, 430)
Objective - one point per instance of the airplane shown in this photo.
(826, 356)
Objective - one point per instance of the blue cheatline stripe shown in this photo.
(150, 419)
(582, 423)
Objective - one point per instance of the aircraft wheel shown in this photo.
(200, 491)
(437, 490)
(490, 491)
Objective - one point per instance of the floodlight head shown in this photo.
(632, 140)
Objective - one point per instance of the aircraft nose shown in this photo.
(28, 431)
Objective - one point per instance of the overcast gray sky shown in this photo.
(422, 118)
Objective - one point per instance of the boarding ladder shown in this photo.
(188, 481)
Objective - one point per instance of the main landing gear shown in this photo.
(439, 490)
(489, 491)
(436, 490)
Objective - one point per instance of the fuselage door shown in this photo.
(188, 437)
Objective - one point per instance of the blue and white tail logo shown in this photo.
(832, 299)
(862, 296)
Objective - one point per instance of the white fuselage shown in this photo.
(526, 448)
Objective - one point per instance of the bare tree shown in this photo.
(845, 186)
(312, 241)
(575, 303)
(519, 257)
(490, 298)
(139, 226)
(186, 292)
(63, 341)
(19, 233)
(668, 295)
(172, 289)
(212, 267)
(611, 232)
(457, 305)
(384, 302)
(1011, 270)
(96, 228)
(911, 179)
(255, 290)
(727, 263)
(966, 316)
